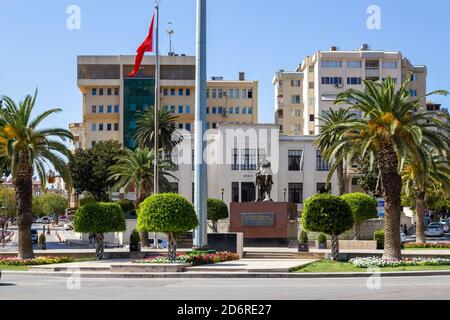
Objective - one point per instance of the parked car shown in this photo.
(403, 237)
(45, 220)
(445, 226)
(34, 236)
(434, 230)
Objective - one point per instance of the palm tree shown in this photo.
(145, 133)
(388, 131)
(328, 137)
(27, 149)
(135, 169)
(420, 177)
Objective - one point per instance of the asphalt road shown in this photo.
(16, 287)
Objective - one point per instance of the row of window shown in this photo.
(230, 94)
(372, 64)
(105, 91)
(102, 109)
(173, 92)
(229, 110)
(180, 110)
(104, 127)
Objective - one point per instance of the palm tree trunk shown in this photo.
(420, 217)
(24, 195)
(143, 235)
(391, 186)
(334, 247)
(100, 246)
(341, 178)
(214, 226)
(172, 254)
(357, 231)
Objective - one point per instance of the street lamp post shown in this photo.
(223, 192)
(284, 194)
(200, 176)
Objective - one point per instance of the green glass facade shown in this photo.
(139, 95)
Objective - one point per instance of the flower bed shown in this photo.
(413, 245)
(380, 263)
(15, 261)
(195, 259)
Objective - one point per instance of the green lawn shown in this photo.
(325, 266)
(13, 268)
(426, 249)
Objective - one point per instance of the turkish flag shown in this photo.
(146, 46)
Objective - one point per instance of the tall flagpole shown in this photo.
(157, 98)
(200, 177)
(157, 102)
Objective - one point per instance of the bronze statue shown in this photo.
(264, 181)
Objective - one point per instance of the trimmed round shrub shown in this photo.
(167, 213)
(322, 238)
(134, 238)
(42, 238)
(378, 236)
(99, 218)
(217, 210)
(363, 206)
(328, 214)
(303, 237)
(87, 200)
(126, 205)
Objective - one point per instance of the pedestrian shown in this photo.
(405, 229)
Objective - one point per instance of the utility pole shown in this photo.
(170, 33)
(200, 177)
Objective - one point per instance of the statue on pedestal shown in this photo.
(264, 181)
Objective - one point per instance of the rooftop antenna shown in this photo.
(170, 33)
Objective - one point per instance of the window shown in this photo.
(248, 192)
(94, 91)
(235, 163)
(321, 164)
(180, 92)
(214, 110)
(207, 110)
(230, 93)
(174, 187)
(188, 92)
(248, 159)
(296, 113)
(116, 91)
(235, 192)
(133, 107)
(323, 188)
(244, 94)
(414, 77)
(296, 83)
(180, 109)
(244, 110)
(172, 109)
(220, 109)
(188, 109)
(219, 93)
(214, 93)
(230, 110)
(236, 110)
(250, 110)
(180, 126)
(109, 108)
(236, 93)
(94, 127)
(116, 108)
(390, 64)
(294, 160)
(311, 118)
(109, 127)
(94, 109)
(354, 64)
(100, 127)
(250, 93)
(331, 64)
(295, 193)
(172, 92)
(295, 99)
(188, 126)
(311, 69)
(413, 93)
(332, 80)
(296, 128)
(207, 93)
(311, 85)
(133, 125)
(214, 125)
(109, 91)
(101, 109)
(354, 80)
(116, 127)
(100, 91)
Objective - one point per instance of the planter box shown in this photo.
(321, 245)
(303, 247)
(43, 246)
(355, 244)
(135, 248)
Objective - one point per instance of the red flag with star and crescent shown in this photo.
(146, 46)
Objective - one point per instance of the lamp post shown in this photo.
(223, 192)
(284, 194)
(200, 172)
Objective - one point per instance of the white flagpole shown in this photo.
(157, 101)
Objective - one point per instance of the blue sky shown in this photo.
(255, 36)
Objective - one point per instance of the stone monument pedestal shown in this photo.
(264, 223)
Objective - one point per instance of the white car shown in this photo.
(68, 226)
(402, 237)
(434, 230)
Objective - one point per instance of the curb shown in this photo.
(217, 275)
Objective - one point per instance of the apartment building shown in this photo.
(112, 101)
(327, 73)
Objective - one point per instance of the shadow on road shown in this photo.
(7, 284)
